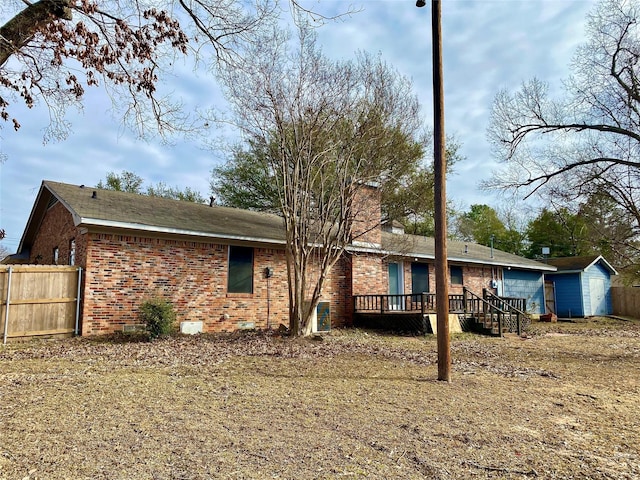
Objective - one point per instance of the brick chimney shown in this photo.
(367, 215)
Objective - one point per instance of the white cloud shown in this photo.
(488, 45)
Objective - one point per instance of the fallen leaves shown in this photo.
(357, 404)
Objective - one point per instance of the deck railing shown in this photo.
(488, 305)
(412, 302)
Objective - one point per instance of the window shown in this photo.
(56, 255)
(455, 273)
(419, 277)
(240, 270)
(72, 252)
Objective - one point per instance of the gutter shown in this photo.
(93, 222)
(465, 260)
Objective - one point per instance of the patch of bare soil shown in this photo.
(562, 402)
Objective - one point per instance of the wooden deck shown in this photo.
(408, 312)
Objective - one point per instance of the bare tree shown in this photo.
(589, 141)
(329, 130)
(51, 50)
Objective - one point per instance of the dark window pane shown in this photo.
(240, 270)
(419, 277)
(455, 272)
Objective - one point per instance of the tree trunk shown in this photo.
(15, 34)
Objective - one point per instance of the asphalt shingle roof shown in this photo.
(457, 251)
(575, 264)
(129, 210)
(107, 209)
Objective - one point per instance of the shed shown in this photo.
(581, 286)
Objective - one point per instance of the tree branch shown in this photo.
(17, 32)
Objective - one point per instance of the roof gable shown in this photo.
(95, 208)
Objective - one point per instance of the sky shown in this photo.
(488, 45)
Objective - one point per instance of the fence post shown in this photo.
(6, 310)
(75, 332)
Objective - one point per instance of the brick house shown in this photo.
(226, 267)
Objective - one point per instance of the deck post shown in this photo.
(423, 303)
(464, 301)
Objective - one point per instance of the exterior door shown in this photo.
(549, 298)
(598, 300)
(395, 285)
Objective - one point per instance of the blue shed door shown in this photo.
(598, 299)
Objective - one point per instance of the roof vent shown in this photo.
(94, 195)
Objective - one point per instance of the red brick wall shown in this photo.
(121, 271)
(369, 275)
(57, 230)
(124, 270)
(475, 279)
(339, 293)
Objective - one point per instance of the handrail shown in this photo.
(488, 306)
(510, 307)
(484, 302)
(504, 301)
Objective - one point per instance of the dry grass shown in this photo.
(562, 403)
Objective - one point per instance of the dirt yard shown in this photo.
(564, 402)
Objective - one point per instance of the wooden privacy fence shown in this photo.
(626, 301)
(39, 300)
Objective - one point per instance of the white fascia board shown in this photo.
(541, 266)
(92, 222)
(474, 261)
(607, 265)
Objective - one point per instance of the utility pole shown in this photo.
(440, 196)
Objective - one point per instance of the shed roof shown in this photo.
(579, 264)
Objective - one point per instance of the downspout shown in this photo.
(75, 332)
(6, 311)
(268, 306)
